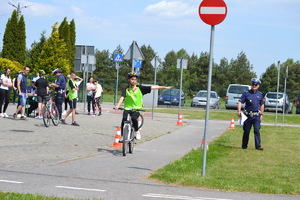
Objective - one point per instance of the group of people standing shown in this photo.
(64, 89)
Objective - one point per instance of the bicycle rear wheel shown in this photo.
(54, 115)
(126, 140)
(131, 142)
(46, 117)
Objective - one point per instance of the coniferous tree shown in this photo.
(20, 41)
(72, 49)
(53, 54)
(36, 49)
(9, 37)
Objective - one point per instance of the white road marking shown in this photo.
(212, 10)
(7, 181)
(76, 188)
(165, 196)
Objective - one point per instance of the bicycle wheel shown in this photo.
(46, 117)
(131, 142)
(54, 115)
(142, 121)
(125, 147)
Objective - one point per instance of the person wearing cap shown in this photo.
(60, 85)
(133, 99)
(254, 110)
(42, 91)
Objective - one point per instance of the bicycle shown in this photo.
(129, 133)
(50, 111)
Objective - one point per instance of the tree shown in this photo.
(36, 49)
(147, 70)
(72, 43)
(53, 54)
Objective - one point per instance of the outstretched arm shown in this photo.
(119, 103)
(156, 87)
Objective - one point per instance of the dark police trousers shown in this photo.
(255, 121)
(59, 97)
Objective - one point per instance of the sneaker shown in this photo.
(99, 114)
(18, 115)
(74, 124)
(37, 117)
(89, 113)
(5, 115)
(40, 117)
(2, 115)
(63, 121)
(138, 135)
(22, 118)
(14, 115)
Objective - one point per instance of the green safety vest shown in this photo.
(133, 99)
(72, 94)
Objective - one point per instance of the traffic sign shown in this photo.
(134, 52)
(212, 12)
(138, 63)
(118, 57)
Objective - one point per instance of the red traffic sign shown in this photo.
(212, 12)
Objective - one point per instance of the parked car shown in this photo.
(298, 104)
(283, 103)
(171, 97)
(233, 94)
(200, 99)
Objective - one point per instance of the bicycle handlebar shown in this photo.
(132, 109)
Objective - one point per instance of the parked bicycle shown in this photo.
(50, 111)
(129, 133)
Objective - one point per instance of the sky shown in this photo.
(267, 31)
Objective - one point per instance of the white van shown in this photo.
(233, 94)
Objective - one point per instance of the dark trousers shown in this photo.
(4, 98)
(59, 97)
(90, 100)
(255, 121)
(134, 117)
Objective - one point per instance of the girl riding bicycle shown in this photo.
(133, 99)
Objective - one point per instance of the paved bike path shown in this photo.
(112, 176)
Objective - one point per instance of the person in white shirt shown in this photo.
(97, 97)
(5, 92)
(90, 89)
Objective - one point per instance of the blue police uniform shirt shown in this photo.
(61, 81)
(253, 100)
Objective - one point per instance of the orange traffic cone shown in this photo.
(202, 145)
(231, 123)
(117, 139)
(179, 122)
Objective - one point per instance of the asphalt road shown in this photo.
(78, 162)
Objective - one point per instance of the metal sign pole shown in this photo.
(278, 73)
(155, 67)
(208, 98)
(284, 92)
(117, 84)
(181, 72)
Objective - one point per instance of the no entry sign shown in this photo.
(212, 12)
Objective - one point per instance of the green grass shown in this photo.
(17, 196)
(276, 170)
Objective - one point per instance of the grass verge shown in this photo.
(276, 170)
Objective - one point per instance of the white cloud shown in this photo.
(171, 9)
(41, 10)
(77, 11)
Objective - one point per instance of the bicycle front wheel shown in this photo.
(131, 142)
(54, 115)
(46, 117)
(126, 138)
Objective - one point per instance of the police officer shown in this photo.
(60, 85)
(254, 109)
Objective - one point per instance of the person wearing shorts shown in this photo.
(42, 91)
(22, 82)
(72, 87)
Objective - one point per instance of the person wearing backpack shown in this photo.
(4, 92)
(22, 83)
